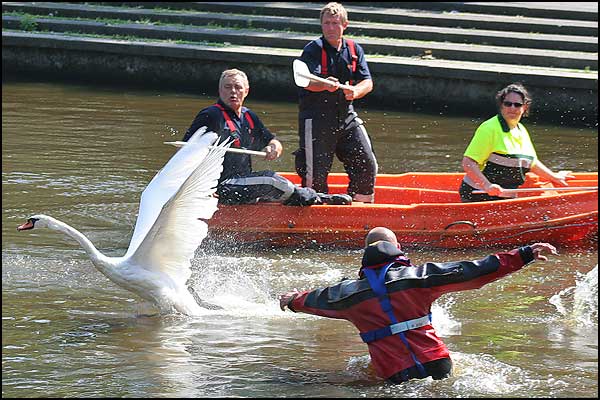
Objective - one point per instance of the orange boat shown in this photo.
(424, 209)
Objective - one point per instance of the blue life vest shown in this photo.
(377, 282)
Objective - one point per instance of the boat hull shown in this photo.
(423, 212)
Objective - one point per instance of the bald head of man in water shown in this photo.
(380, 234)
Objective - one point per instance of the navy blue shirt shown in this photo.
(339, 65)
(243, 137)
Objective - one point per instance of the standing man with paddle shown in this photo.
(238, 184)
(328, 124)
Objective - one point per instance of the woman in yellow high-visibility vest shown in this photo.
(501, 152)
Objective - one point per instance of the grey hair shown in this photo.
(231, 73)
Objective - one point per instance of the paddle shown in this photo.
(302, 76)
(231, 150)
(510, 191)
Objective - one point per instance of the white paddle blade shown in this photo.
(301, 74)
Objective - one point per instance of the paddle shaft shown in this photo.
(572, 188)
(230, 149)
(322, 80)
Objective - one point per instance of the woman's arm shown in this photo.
(559, 178)
(472, 170)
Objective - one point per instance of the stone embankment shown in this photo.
(437, 57)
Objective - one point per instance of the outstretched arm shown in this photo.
(560, 178)
(312, 302)
(475, 274)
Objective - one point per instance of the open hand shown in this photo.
(539, 248)
(286, 298)
(561, 177)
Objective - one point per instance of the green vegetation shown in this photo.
(130, 38)
(28, 23)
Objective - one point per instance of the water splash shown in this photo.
(482, 374)
(442, 319)
(249, 286)
(171, 130)
(360, 368)
(579, 303)
(240, 285)
(478, 375)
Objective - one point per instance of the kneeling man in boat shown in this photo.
(238, 184)
(390, 303)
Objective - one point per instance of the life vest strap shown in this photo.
(393, 329)
(324, 60)
(230, 123)
(353, 56)
(377, 282)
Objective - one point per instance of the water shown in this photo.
(580, 302)
(84, 154)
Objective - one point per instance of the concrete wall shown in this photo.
(195, 69)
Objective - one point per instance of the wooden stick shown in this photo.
(177, 143)
(230, 149)
(571, 188)
(323, 80)
(301, 71)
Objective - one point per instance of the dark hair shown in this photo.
(518, 89)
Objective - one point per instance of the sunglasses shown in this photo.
(510, 104)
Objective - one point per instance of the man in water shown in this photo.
(390, 303)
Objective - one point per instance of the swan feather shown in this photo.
(179, 229)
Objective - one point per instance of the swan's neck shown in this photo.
(96, 257)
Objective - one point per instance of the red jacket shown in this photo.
(412, 290)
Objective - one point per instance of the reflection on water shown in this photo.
(84, 155)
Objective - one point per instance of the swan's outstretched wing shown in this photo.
(167, 182)
(169, 243)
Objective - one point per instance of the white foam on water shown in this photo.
(442, 319)
(579, 303)
(248, 286)
(585, 303)
(484, 374)
(475, 374)
(240, 285)
(359, 367)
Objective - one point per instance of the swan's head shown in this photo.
(35, 221)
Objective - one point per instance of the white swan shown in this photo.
(168, 230)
